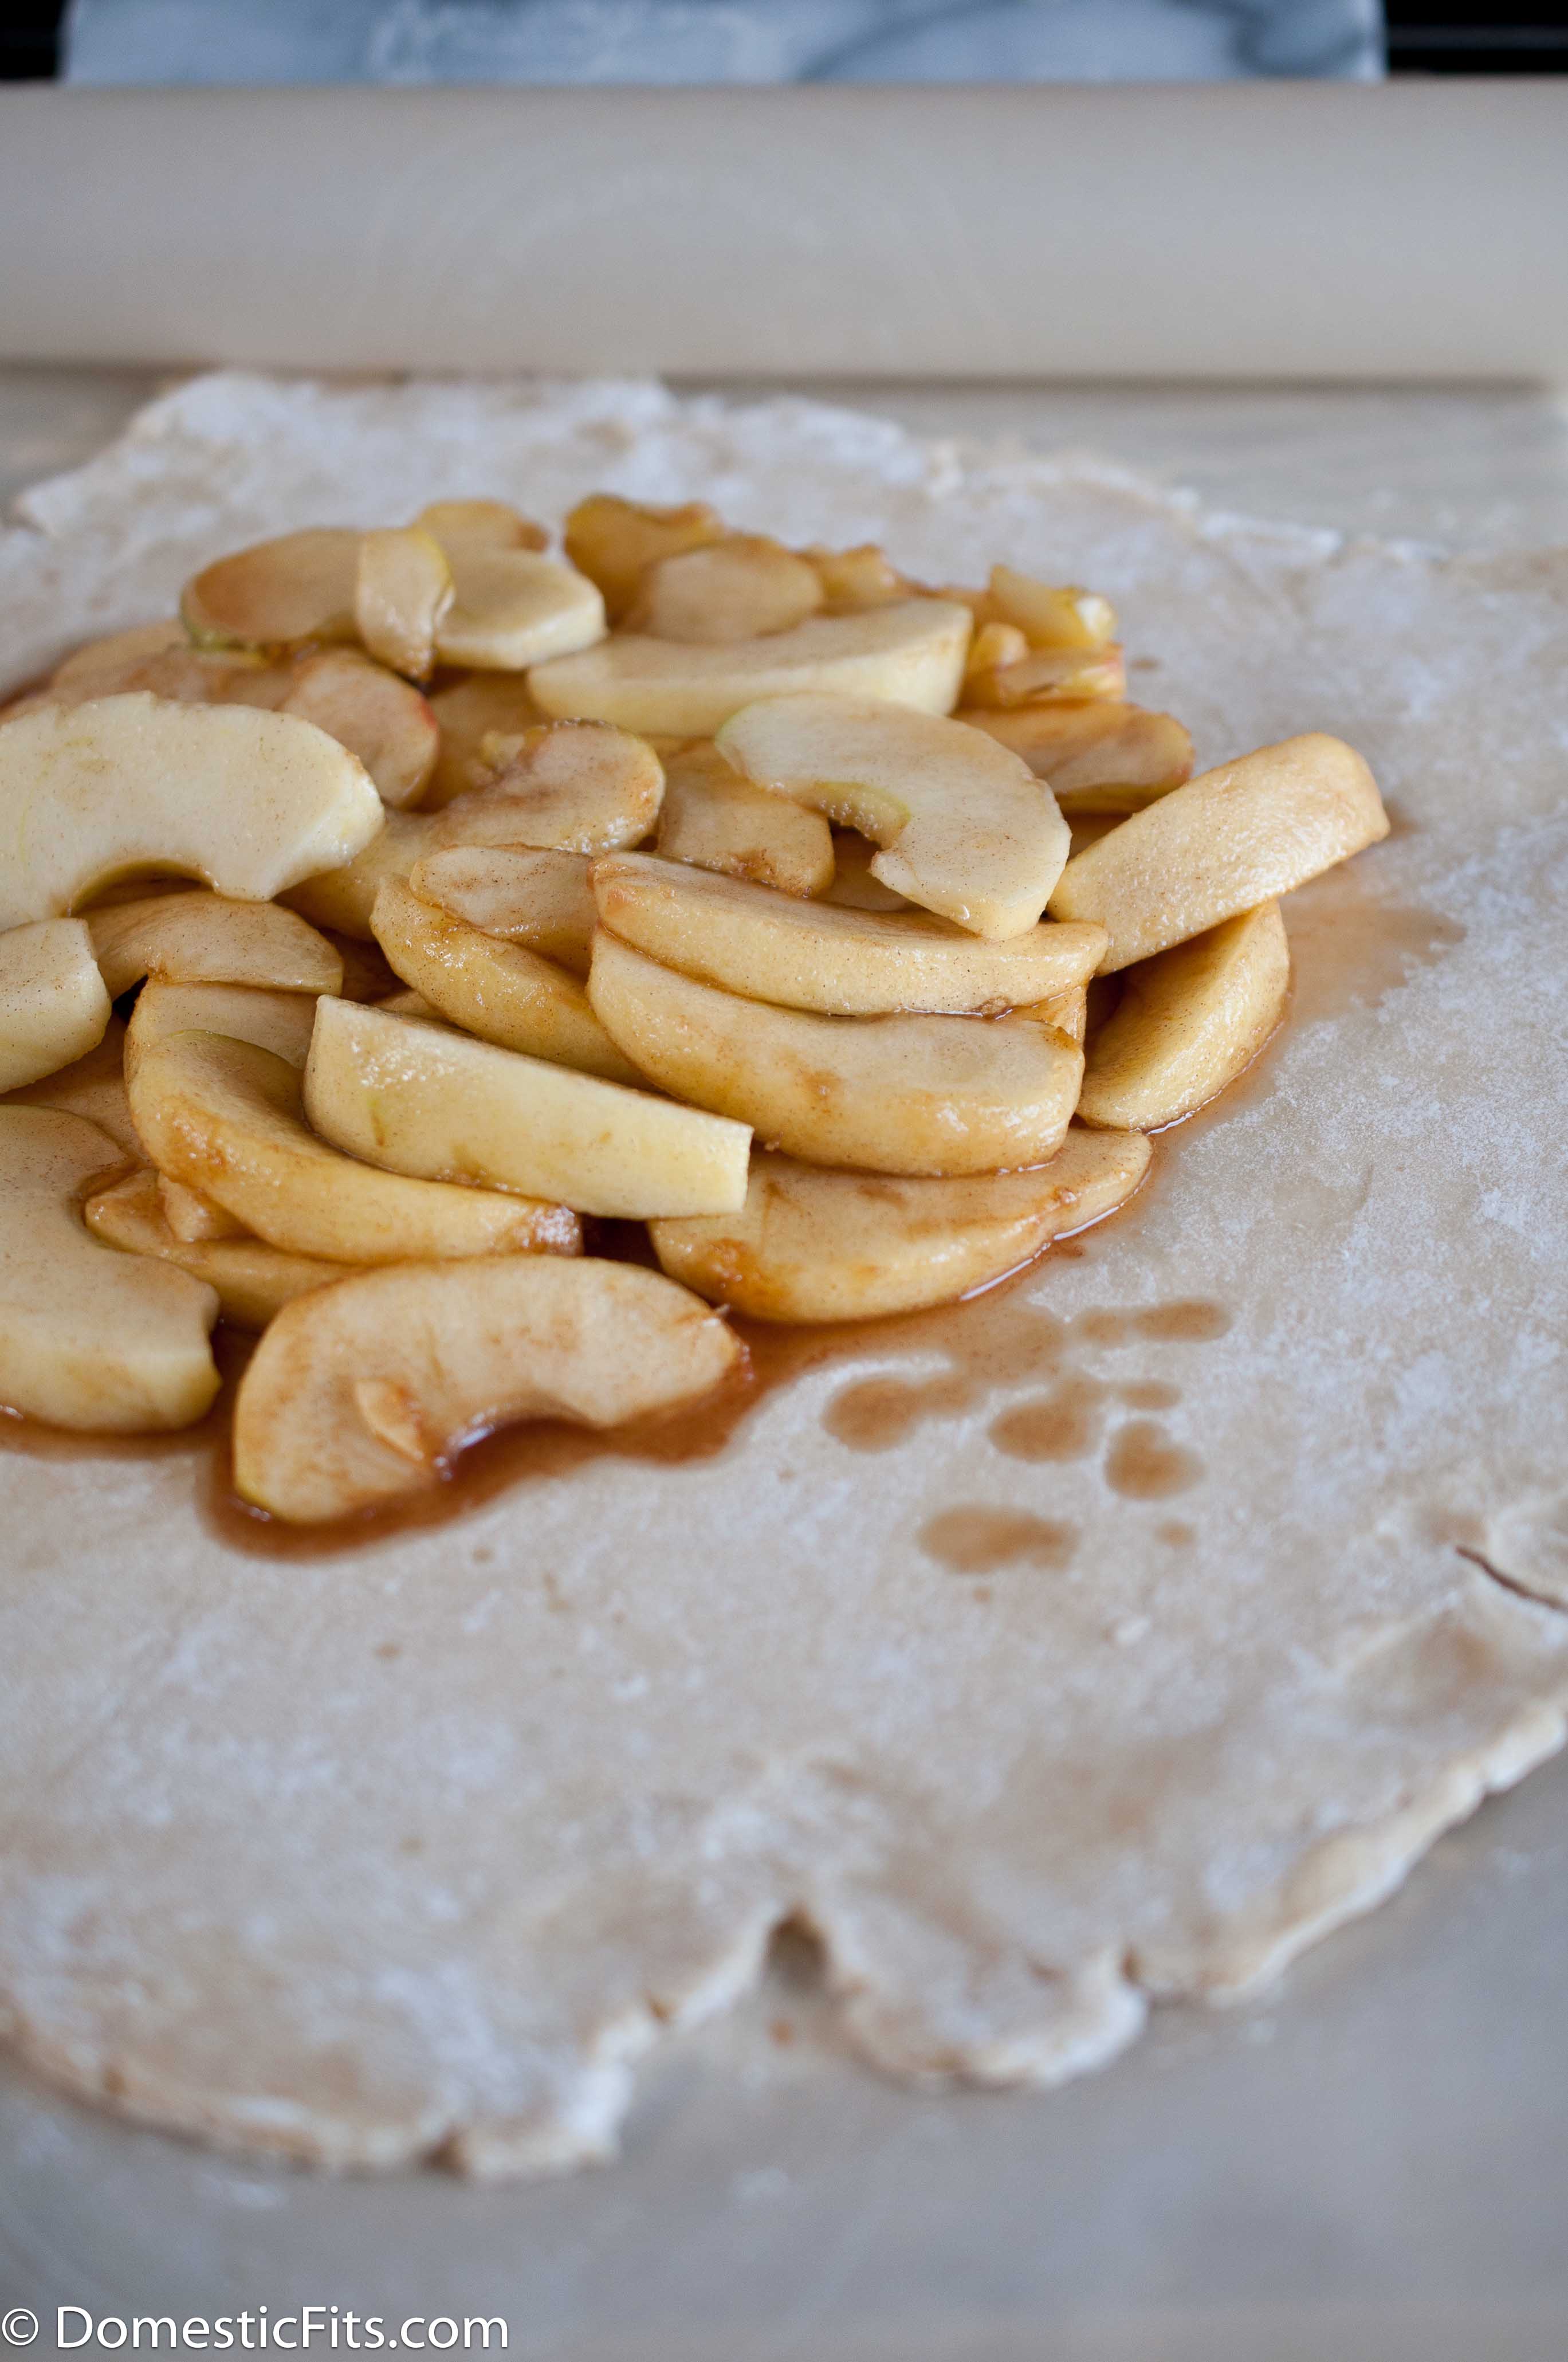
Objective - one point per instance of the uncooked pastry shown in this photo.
(416, 1846)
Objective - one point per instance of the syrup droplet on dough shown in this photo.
(1144, 1464)
(973, 1539)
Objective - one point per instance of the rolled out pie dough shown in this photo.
(415, 1848)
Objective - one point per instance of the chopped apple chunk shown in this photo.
(53, 1003)
(966, 829)
(614, 541)
(917, 1095)
(713, 819)
(738, 588)
(402, 592)
(298, 587)
(1228, 840)
(362, 1395)
(772, 946)
(250, 802)
(502, 992)
(421, 1099)
(210, 938)
(227, 1118)
(1189, 1022)
(89, 1338)
(809, 1245)
(252, 1280)
(909, 654)
(1097, 756)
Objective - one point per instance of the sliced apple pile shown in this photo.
(360, 1394)
(835, 1074)
(426, 1101)
(966, 829)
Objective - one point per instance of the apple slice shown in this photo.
(278, 1022)
(1050, 615)
(88, 1338)
(711, 818)
(614, 541)
(540, 899)
(854, 887)
(910, 654)
(771, 946)
(363, 1394)
(501, 992)
(95, 1086)
(738, 588)
(53, 1004)
(248, 800)
(416, 1099)
(923, 1095)
(191, 1218)
(210, 938)
(1095, 757)
(298, 587)
(853, 579)
(225, 1117)
(511, 607)
(98, 668)
(467, 711)
(380, 717)
(1237, 836)
(809, 1245)
(402, 591)
(1067, 1011)
(1188, 1023)
(253, 1281)
(966, 829)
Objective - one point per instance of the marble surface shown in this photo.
(1370, 2164)
(668, 41)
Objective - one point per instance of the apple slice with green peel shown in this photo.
(248, 800)
(297, 587)
(771, 946)
(363, 1394)
(421, 1099)
(966, 829)
(89, 1338)
(1188, 1023)
(94, 1086)
(467, 711)
(520, 895)
(1237, 836)
(278, 1022)
(53, 1003)
(910, 654)
(809, 1245)
(402, 592)
(713, 818)
(1096, 756)
(501, 992)
(614, 541)
(210, 938)
(253, 1281)
(225, 1117)
(738, 588)
(917, 1095)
